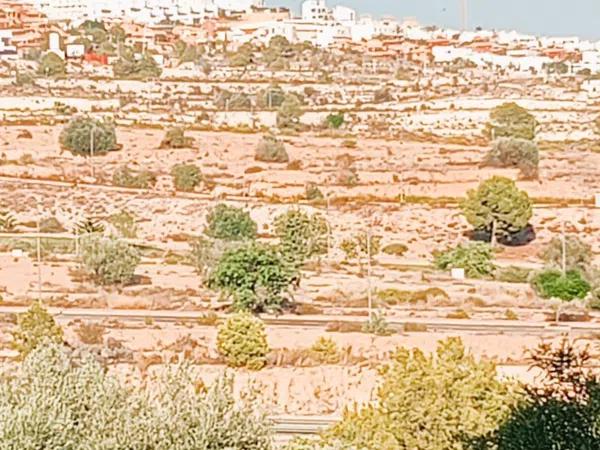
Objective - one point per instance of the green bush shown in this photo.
(312, 192)
(77, 136)
(359, 245)
(289, 113)
(271, 149)
(255, 275)
(206, 254)
(518, 153)
(124, 222)
(128, 67)
(58, 400)
(554, 284)
(125, 177)
(395, 249)
(108, 260)
(25, 78)
(511, 121)
(271, 97)
(325, 351)
(578, 254)
(301, 236)
(497, 200)
(35, 327)
(186, 177)
(52, 65)
(230, 224)
(476, 258)
(335, 121)
(512, 274)
(422, 403)
(377, 326)
(242, 341)
(176, 138)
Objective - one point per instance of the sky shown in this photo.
(540, 17)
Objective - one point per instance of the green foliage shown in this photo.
(325, 351)
(335, 121)
(77, 136)
(301, 236)
(554, 284)
(128, 67)
(519, 153)
(377, 326)
(497, 200)
(233, 100)
(358, 246)
(89, 225)
(124, 223)
(24, 78)
(243, 57)
(313, 192)
(35, 327)
(125, 177)
(476, 258)
(561, 409)
(57, 401)
(206, 254)
(175, 138)
(255, 275)
(578, 254)
(7, 221)
(108, 260)
(186, 177)
(242, 341)
(393, 296)
(278, 46)
(289, 113)
(117, 34)
(270, 149)
(512, 121)
(52, 65)
(434, 402)
(230, 224)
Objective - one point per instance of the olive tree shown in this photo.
(109, 260)
(52, 65)
(511, 120)
(301, 236)
(84, 134)
(497, 206)
(518, 153)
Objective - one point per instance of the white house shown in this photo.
(316, 11)
(344, 15)
(7, 50)
(75, 50)
(590, 60)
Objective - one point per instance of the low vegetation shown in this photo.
(186, 177)
(475, 258)
(108, 260)
(35, 327)
(242, 341)
(229, 223)
(521, 154)
(82, 135)
(272, 150)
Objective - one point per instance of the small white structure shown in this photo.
(75, 50)
(457, 274)
(7, 50)
(316, 11)
(597, 200)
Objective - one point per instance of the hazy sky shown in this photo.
(547, 17)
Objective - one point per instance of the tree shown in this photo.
(270, 149)
(519, 153)
(242, 341)
(128, 67)
(109, 260)
(77, 136)
(117, 34)
(497, 206)
(57, 400)
(561, 410)
(243, 57)
(35, 327)
(230, 224)
(512, 121)
(255, 276)
(289, 113)
(52, 65)
(435, 402)
(301, 236)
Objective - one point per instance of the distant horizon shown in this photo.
(537, 17)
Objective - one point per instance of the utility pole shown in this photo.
(369, 293)
(39, 260)
(464, 14)
(564, 247)
(92, 143)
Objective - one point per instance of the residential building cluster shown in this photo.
(152, 24)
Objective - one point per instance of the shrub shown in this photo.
(554, 284)
(395, 249)
(312, 192)
(176, 138)
(77, 136)
(377, 326)
(518, 153)
(233, 100)
(512, 274)
(421, 403)
(301, 236)
(128, 67)
(242, 341)
(325, 351)
(35, 327)
(270, 149)
(289, 113)
(230, 224)
(394, 296)
(271, 97)
(186, 177)
(255, 275)
(335, 121)
(7, 221)
(80, 404)
(512, 121)
(578, 254)
(91, 333)
(359, 245)
(51, 225)
(475, 258)
(108, 260)
(52, 65)
(125, 177)
(24, 78)
(88, 226)
(206, 254)
(124, 223)
(497, 200)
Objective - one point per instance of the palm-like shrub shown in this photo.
(77, 136)
(242, 341)
(497, 200)
(109, 260)
(35, 327)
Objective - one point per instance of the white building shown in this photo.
(344, 15)
(7, 50)
(316, 11)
